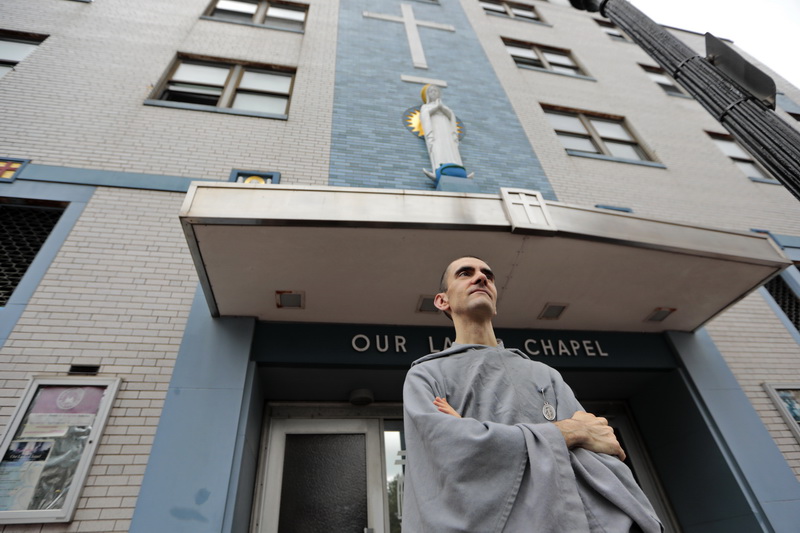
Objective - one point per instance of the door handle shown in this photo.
(369, 530)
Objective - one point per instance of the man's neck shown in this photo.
(475, 333)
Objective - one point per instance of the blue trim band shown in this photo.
(763, 180)
(106, 178)
(614, 208)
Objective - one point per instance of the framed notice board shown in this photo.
(48, 447)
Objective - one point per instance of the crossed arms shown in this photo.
(583, 430)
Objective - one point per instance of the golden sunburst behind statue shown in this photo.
(412, 123)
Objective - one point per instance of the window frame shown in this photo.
(790, 280)
(613, 31)
(253, 177)
(88, 453)
(319, 418)
(229, 90)
(597, 139)
(672, 88)
(724, 137)
(508, 10)
(261, 16)
(5, 167)
(773, 391)
(34, 39)
(13, 269)
(546, 64)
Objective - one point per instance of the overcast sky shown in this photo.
(768, 30)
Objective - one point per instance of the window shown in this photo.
(11, 168)
(661, 78)
(231, 87)
(255, 176)
(786, 299)
(48, 447)
(539, 57)
(741, 158)
(511, 10)
(280, 15)
(612, 31)
(584, 133)
(786, 398)
(14, 47)
(24, 227)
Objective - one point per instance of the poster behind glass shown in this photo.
(791, 399)
(38, 468)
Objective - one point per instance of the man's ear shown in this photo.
(441, 303)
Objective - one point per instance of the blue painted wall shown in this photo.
(77, 197)
(204, 452)
(750, 488)
(371, 146)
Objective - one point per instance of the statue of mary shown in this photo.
(439, 125)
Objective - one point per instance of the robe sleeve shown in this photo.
(464, 474)
(606, 484)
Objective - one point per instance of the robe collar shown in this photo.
(457, 348)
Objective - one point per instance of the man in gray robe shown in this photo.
(516, 452)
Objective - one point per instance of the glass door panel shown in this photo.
(394, 445)
(324, 484)
(323, 475)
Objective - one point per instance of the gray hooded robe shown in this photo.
(503, 466)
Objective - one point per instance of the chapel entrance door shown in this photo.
(637, 458)
(331, 474)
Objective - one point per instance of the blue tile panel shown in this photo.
(370, 145)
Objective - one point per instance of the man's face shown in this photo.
(470, 289)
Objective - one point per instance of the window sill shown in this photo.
(679, 95)
(502, 16)
(762, 180)
(539, 69)
(209, 109)
(602, 157)
(252, 24)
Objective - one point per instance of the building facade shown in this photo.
(224, 241)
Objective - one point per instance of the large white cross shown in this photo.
(412, 31)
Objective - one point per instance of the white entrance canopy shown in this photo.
(291, 253)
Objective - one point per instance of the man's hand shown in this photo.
(445, 407)
(584, 430)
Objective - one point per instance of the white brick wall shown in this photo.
(91, 86)
(117, 295)
(758, 349)
(119, 292)
(699, 186)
